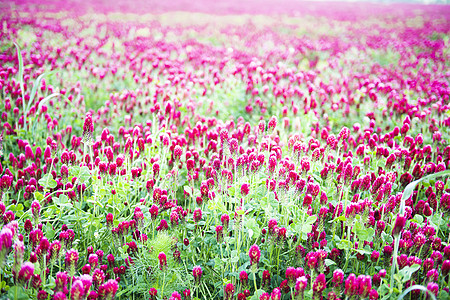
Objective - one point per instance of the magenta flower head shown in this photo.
(229, 291)
(307, 200)
(175, 296)
(197, 273)
(77, 291)
(319, 285)
(108, 290)
(338, 277)
(42, 295)
(445, 268)
(162, 260)
(19, 250)
(350, 285)
(153, 293)
(98, 277)
(272, 123)
(87, 282)
(93, 295)
(61, 282)
(276, 294)
(225, 219)
(399, 225)
(245, 188)
(88, 129)
(373, 295)
(26, 272)
(162, 225)
(243, 277)
(291, 276)
(71, 261)
(219, 234)
(93, 260)
(55, 248)
(255, 254)
(264, 296)
(177, 152)
(301, 284)
(364, 285)
(266, 278)
(59, 296)
(36, 209)
(109, 219)
(197, 215)
(433, 287)
(153, 212)
(86, 269)
(187, 294)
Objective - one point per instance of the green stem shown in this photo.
(394, 262)
(254, 281)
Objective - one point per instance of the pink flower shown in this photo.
(162, 260)
(399, 225)
(71, 261)
(219, 234)
(77, 291)
(243, 277)
(197, 215)
(255, 254)
(153, 293)
(26, 272)
(229, 291)
(197, 273)
(245, 189)
(319, 284)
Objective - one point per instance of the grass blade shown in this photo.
(34, 90)
(410, 187)
(416, 287)
(19, 56)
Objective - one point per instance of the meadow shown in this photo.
(261, 151)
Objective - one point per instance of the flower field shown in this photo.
(224, 151)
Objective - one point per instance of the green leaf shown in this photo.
(344, 244)
(84, 174)
(406, 272)
(311, 219)
(231, 190)
(329, 262)
(17, 293)
(47, 181)
(306, 228)
(417, 219)
(444, 295)
(386, 237)
(257, 295)
(38, 196)
(234, 256)
(240, 212)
